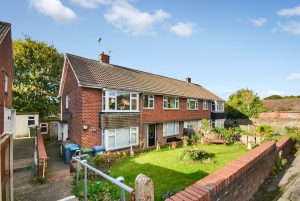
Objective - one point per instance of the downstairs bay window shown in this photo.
(170, 128)
(120, 138)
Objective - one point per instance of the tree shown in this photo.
(38, 68)
(243, 104)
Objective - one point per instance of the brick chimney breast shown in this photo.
(104, 58)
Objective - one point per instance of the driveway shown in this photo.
(58, 173)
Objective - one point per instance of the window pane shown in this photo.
(192, 104)
(133, 104)
(146, 101)
(123, 137)
(111, 142)
(151, 103)
(123, 101)
(112, 103)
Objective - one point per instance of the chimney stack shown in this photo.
(104, 58)
(188, 80)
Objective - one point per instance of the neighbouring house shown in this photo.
(54, 128)
(115, 106)
(24, 120)
(282, 109)
(7, 114)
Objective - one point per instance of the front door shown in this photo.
(151, 135)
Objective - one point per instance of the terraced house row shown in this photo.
(117, 107)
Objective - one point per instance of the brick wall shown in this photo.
(74, 92)
(6, 67)
(158, 114)
(91, 106)
(41, 153)
(238, 180)
(280, 115)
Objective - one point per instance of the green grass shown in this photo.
(168, 172)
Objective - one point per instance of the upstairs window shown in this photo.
(217, 106)
(171, 103)
(192, 104)
(120, 101)
(205, 105)
(149, 101)
(6, 84)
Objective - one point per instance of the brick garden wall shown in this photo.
(238, 180)
(41, 153)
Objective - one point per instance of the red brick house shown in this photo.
(6, 143)
(116, 107)
(6, 76)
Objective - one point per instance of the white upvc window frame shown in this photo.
(107, 94)
(31, 118)
(44, 125)
(205, 104)
(67, 102)
(108, 134)
(219, 106)
(166, 99)
(165, 128)
(6, 83)
(189, 104)
(150, 97)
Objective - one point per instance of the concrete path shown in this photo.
(58, 174)
(291, 181)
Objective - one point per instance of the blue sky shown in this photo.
(222, 45)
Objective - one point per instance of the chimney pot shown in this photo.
(188, 80)
(104, 58)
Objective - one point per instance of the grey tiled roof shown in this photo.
(92, 73)
(4, 27)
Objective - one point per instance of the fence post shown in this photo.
(85, 181)
(144, 189)
(122, 191)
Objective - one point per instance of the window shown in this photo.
(171, 103)
(44, 128)
(120, 101)
(121, 138)
(217, 123)
(205, 105)
(67, 101)
(170, 128)
(192, 104)
(192, 124)
(31, 120)
(149, 101)
(6, 84)
(217, 106)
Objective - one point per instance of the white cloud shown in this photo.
(130, 19)
(259, 22)
(291, 27)
(183, 29)
(55, 9)
(275, 92)
(294, 76)
(289, 12)
(91, 3)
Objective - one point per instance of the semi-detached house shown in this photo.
(117, 107)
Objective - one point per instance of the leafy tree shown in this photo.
(273, 97)
(38, 68)
(244, 103)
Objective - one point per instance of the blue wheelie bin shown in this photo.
(97, 149)
(69, 150)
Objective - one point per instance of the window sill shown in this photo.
(171, 108)
(172, 135)
(148, 108)
(120, 111)
(192, 109)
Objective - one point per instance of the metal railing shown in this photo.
(118, 181)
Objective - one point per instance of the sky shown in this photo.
(222, 45)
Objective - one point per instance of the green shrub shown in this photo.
(106, 160)
(264, 130)
(292, 129)
(40, 180)
(295, 136)
(195, 154)
(280, 164)
(184, 141)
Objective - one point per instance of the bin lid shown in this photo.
(86, 150)
(70, 145)
(98, 148)
(74, 148)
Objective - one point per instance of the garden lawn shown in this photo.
(169, 173)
